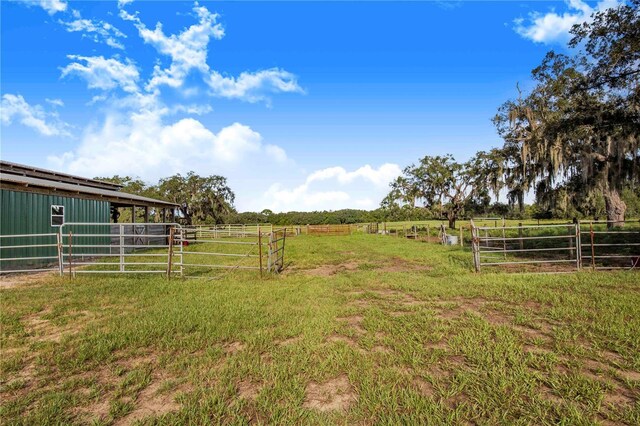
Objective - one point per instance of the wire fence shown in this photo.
(145, 248)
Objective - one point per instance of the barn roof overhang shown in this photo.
(37, 172)
(23, 183)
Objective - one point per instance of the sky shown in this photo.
(302, 105)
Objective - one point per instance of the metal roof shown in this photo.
(36, 172)
(18, 182)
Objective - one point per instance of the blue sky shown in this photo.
(302, 105)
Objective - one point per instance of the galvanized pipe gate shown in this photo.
(145, 248)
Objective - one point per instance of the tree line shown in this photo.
(573, 140)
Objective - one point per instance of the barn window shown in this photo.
(57, 215)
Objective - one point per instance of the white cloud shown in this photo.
(51, 6)
(104, 74)
(188, 51)
(143, 145)
(333, 188)
(98, 31)
(553, 27)
(55, 102)
(253, 87)
(34, 116)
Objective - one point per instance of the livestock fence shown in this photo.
(344, 229)
(145, 248)
(556, 247)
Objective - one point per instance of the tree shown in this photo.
(446, 185)
(201, 199)
(582, 119)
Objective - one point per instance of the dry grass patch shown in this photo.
(335, 394)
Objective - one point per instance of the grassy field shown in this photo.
(362, 329)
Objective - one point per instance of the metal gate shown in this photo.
(143, 248)
(541, 245)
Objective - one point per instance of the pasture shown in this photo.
(359, 329)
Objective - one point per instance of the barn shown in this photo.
(35, 203)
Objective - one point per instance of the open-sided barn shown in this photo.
(35, 202)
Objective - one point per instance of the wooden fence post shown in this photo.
(461, 236)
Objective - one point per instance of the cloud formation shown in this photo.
(96, 30)
(142, 144)
(104, 74)
(188, 52)
(50, 6)
(15, 107)
(333, 188)
(552, 27)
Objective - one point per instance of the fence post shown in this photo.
(571, 237)
(70, 256)
(593, 249)
(461, 236)
(475, 247)
(428, 232)
(284, 240)
(59, 243)
(170, 254)
(121, 247)
(269, 252)
(520, 236)
(260, 249)
(504, 243)
(578, 247)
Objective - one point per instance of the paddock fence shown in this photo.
(344, 229)
(556, 247)
(145, 248)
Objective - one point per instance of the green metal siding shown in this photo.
(30, 213)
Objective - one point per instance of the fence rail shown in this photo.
(144, 248)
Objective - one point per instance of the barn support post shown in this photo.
(133, 214)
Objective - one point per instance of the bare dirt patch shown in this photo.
(336, 394)
(381, 349)
(455, 308)
(344, 339)
(248, 390)
(15, 280)
(441, 345)
(330, 270)
(234, 347)
(354, 322)
(289, 341)
(151, 402)
(424, 387)
(398, 264)
(395, 264)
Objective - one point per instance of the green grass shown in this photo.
(362, 329)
